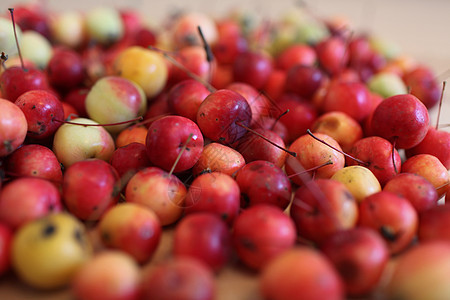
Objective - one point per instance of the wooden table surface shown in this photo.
(420, 28)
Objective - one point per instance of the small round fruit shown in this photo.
(359, 180)
(47, 253)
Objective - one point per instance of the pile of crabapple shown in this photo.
(297, 151)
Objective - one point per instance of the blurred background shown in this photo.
(418, 28)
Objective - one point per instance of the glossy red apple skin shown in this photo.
(419, 191)
(65, 69)
(323, 207)
(253, 147)
(261, 233)
(15, 81)
(166, 138)
(401, 118)
(431, 168)
(203, 236)
(376, 152)
(156, 189)
(185, 98)
(43, 111)
(392, 216)
(297, 54)
(13, 127)
(352, 98)
(301, 272)
(360, 256)
(90, 187)
(218, 114)
(312, 153)
(216, 193)
(26, 199)
(300, 117)
(437, 143)
(253, 68)
(35, 160)
(262, 182)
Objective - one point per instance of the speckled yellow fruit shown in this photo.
(359, 180)
(46, 253)
(145, 67)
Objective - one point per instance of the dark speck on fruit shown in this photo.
(48, 230)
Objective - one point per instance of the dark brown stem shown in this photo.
(103, 125)
(150, 120)
(335, 149)
(11, 11)
(181, 152)
(444, 83)
(278, 119)
(294, 154)
(182, 67)
(312, 169)
(209, 53)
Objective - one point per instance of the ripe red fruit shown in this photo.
(402, 119)
(253, 68)
(167, 137)
(90, 187)
(323, 207)
(360, 256)
(392, 216)
(261, 233)
(203, 236)
(15, 81)
(219, 113)
(262, 182)
(43, 111)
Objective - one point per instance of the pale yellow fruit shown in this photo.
(36, 48)
(73, 143)
(68, 28)
(7, 40)
(359, 180)
(113, 99)
(47, 253)
(145, 67)
(104, 25)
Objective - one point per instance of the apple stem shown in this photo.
(444, 83)
(182, 67)
(149, 120)
(294, 154)
(4, 58)
(304, 205)
(209, 53)
(278, 118)
(441, 186)
(312, 169)
(393, 152)
(181, 152)
(11, 11)
(103, 125)
(335, 149)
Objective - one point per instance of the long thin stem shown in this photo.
(103, 125)
(11, 11)
(312, 169)
(294, 154)
(335, 149)
(181, 152)
(444, 83)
